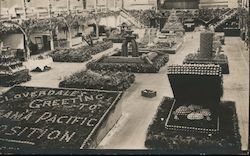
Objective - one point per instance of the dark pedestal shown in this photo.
(232, 32)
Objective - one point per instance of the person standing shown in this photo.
(247, 42)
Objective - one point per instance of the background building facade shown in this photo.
(218, 4)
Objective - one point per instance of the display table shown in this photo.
(33, 64)
(231, 31)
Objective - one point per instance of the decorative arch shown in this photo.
(135, 50)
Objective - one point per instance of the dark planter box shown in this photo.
(14, 79)
(232, 31)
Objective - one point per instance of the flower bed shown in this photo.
(158, 62)
(103, 80)
(8, 80)
(70, 55)
(48, 120)
(100, 46)
(81, 54)
(227, 141)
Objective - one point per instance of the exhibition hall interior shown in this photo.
(124, 76)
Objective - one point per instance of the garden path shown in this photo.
(61, 70)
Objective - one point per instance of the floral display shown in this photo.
(12, 71)
(158, 62)
(70, 55)
(64, 119)
(81, 54)
(103, 80)
(100, 46)
(180, 142)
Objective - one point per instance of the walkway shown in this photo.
(60, 70)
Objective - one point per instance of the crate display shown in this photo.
(148, 93)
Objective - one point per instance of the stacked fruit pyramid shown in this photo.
(207, 55)
(12, 70)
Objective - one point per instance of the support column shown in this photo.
(25, 9)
